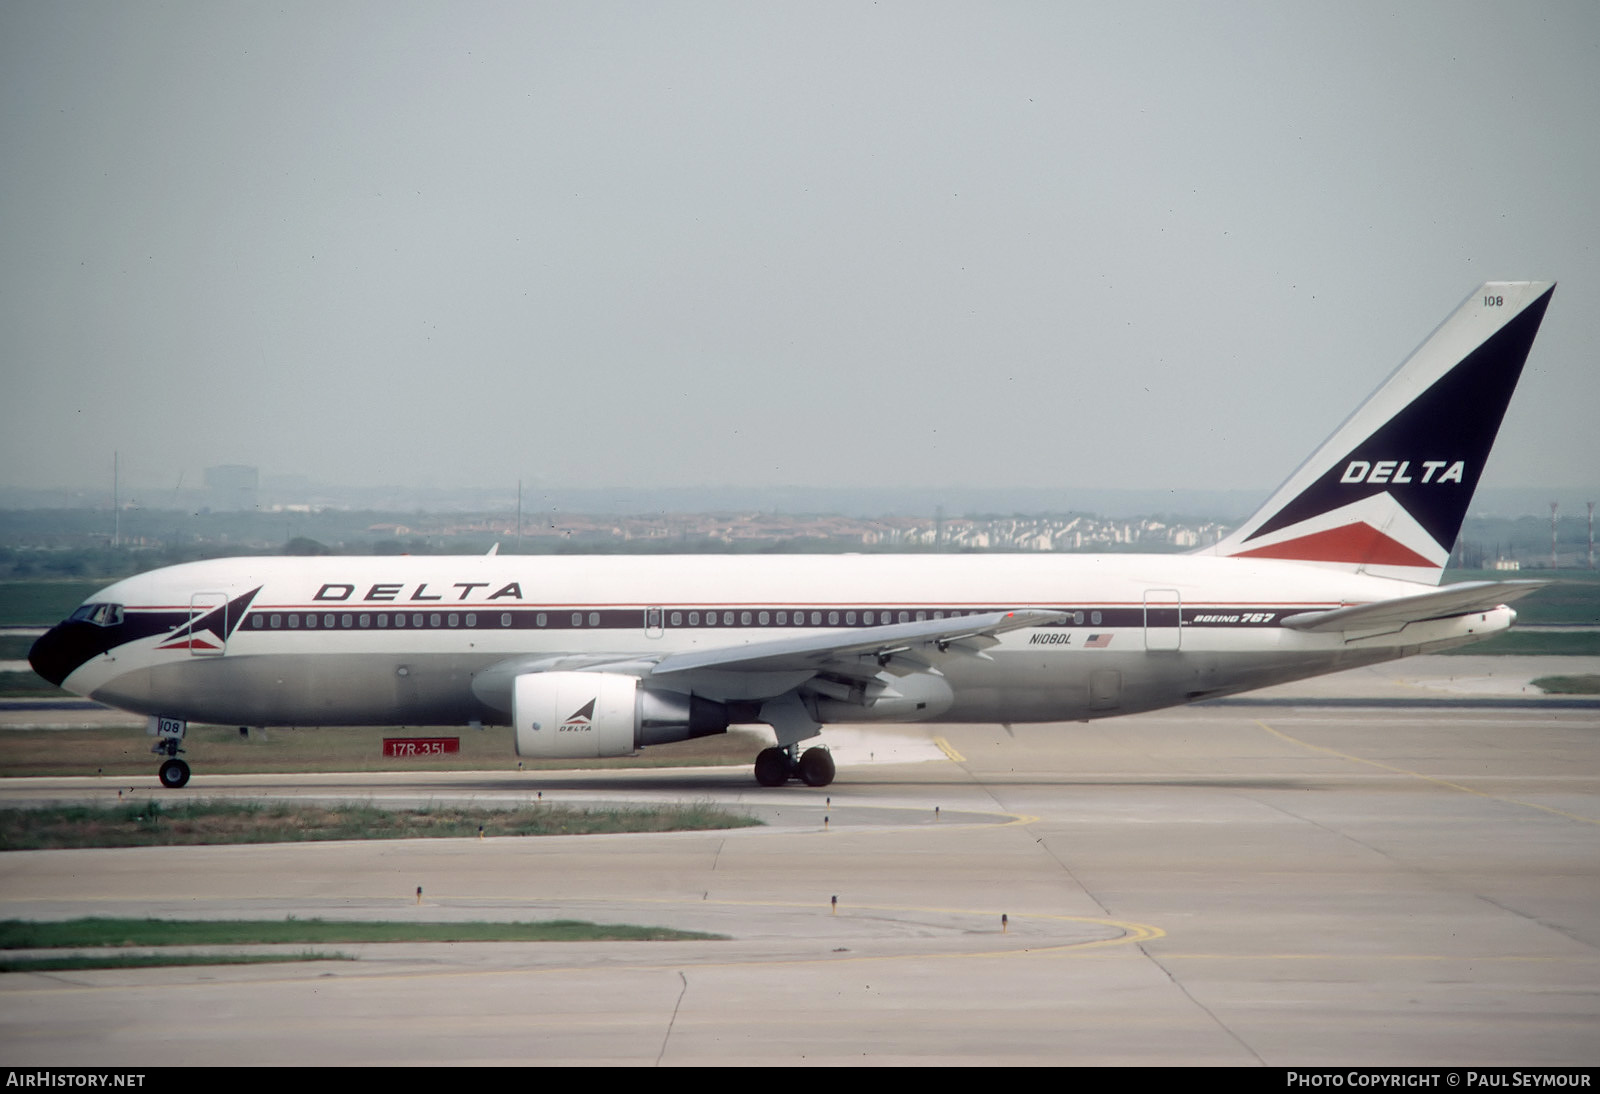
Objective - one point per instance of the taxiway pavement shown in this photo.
(1275, 883)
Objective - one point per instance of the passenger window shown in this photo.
(905, 617)
(294, 621)
(433, 619)
(1077, 619)
(763, 618)
(727, 619)
(694, 619)
(452, 619)
(577, 619)
(833, 619)
(311, 621)
(505, 619)
(816, 619)
(594, 619)
(1094, 617)
(677, 618)
(744, 619)
(365, 620)
(850, 618)
(783, 619)
(274, 621)
(539, 620)
(344, 621)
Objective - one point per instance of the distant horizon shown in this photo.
(860, 502)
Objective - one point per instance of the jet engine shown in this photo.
(582, 715)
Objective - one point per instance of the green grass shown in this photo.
(1573, 596)
(43, 603)
(1587, 683)
(154, 823)
(21, 934)
(15, 647)
(29, 685)
(157, 960)
(219, 750)
(1536, 643)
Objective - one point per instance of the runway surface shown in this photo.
(1280, 884)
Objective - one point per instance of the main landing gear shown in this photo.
(776, 766)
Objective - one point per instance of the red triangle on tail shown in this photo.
(1358, 543)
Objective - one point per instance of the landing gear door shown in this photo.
(207, 630)
(1163, 615)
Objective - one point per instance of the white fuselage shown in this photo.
(401, 640)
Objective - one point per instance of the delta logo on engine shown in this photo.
(580, 720)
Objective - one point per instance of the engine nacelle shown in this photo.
(584, 715)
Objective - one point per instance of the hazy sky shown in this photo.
(828, 244)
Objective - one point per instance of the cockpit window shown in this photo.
(102, 615)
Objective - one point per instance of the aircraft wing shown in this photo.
(877, 646)
(1460, 599)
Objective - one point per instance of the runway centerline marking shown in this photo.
(1425, 778)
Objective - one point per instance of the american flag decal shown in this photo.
(1098, 642)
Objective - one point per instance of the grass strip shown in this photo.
(157, 960)
(1535, 644)
(28, 684)
(21, 934)
(158, 824)
(1587, 683)
(15, 647)
(221, 750)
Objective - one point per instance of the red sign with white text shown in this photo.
(403, 747)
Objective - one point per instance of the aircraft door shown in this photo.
(1163, 614)
(652, 622)
(207, 632)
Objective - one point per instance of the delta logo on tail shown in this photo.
(1387, 493)
(209, 633)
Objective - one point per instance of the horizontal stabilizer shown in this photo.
(1460, 599)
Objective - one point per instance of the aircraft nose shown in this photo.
(59, 651)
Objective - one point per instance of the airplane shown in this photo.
(602, 656)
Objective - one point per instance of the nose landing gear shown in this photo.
(169, 742)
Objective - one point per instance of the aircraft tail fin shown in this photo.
(1387, 492)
